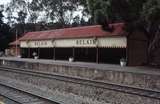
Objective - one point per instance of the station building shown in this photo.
(87, 44)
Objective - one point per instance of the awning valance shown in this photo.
(108, 42)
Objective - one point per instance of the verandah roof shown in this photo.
(76, 32)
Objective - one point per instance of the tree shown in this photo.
(5, 35)
(151, 23)
(17, 10)
(1, 17)
(61, 11)
(111, 11)
(21, 17)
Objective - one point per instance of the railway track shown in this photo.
(154, 94)
(21, 97)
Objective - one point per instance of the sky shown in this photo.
(4, 1)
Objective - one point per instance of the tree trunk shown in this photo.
(154, 47)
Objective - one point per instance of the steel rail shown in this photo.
(11, 89)
(22, 91)
(10, 99)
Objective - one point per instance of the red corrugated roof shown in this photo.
(76, 32)
(17, 42)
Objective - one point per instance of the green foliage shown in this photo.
(151, 19)
(5, 35)
(113, 10)
(61, 11)
(21, 17)
(1, 17)
(151, 11)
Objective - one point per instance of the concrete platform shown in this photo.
(111, 67)
(141, 77)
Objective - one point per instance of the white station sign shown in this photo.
(119, 42)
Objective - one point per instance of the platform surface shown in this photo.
(112, 67)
